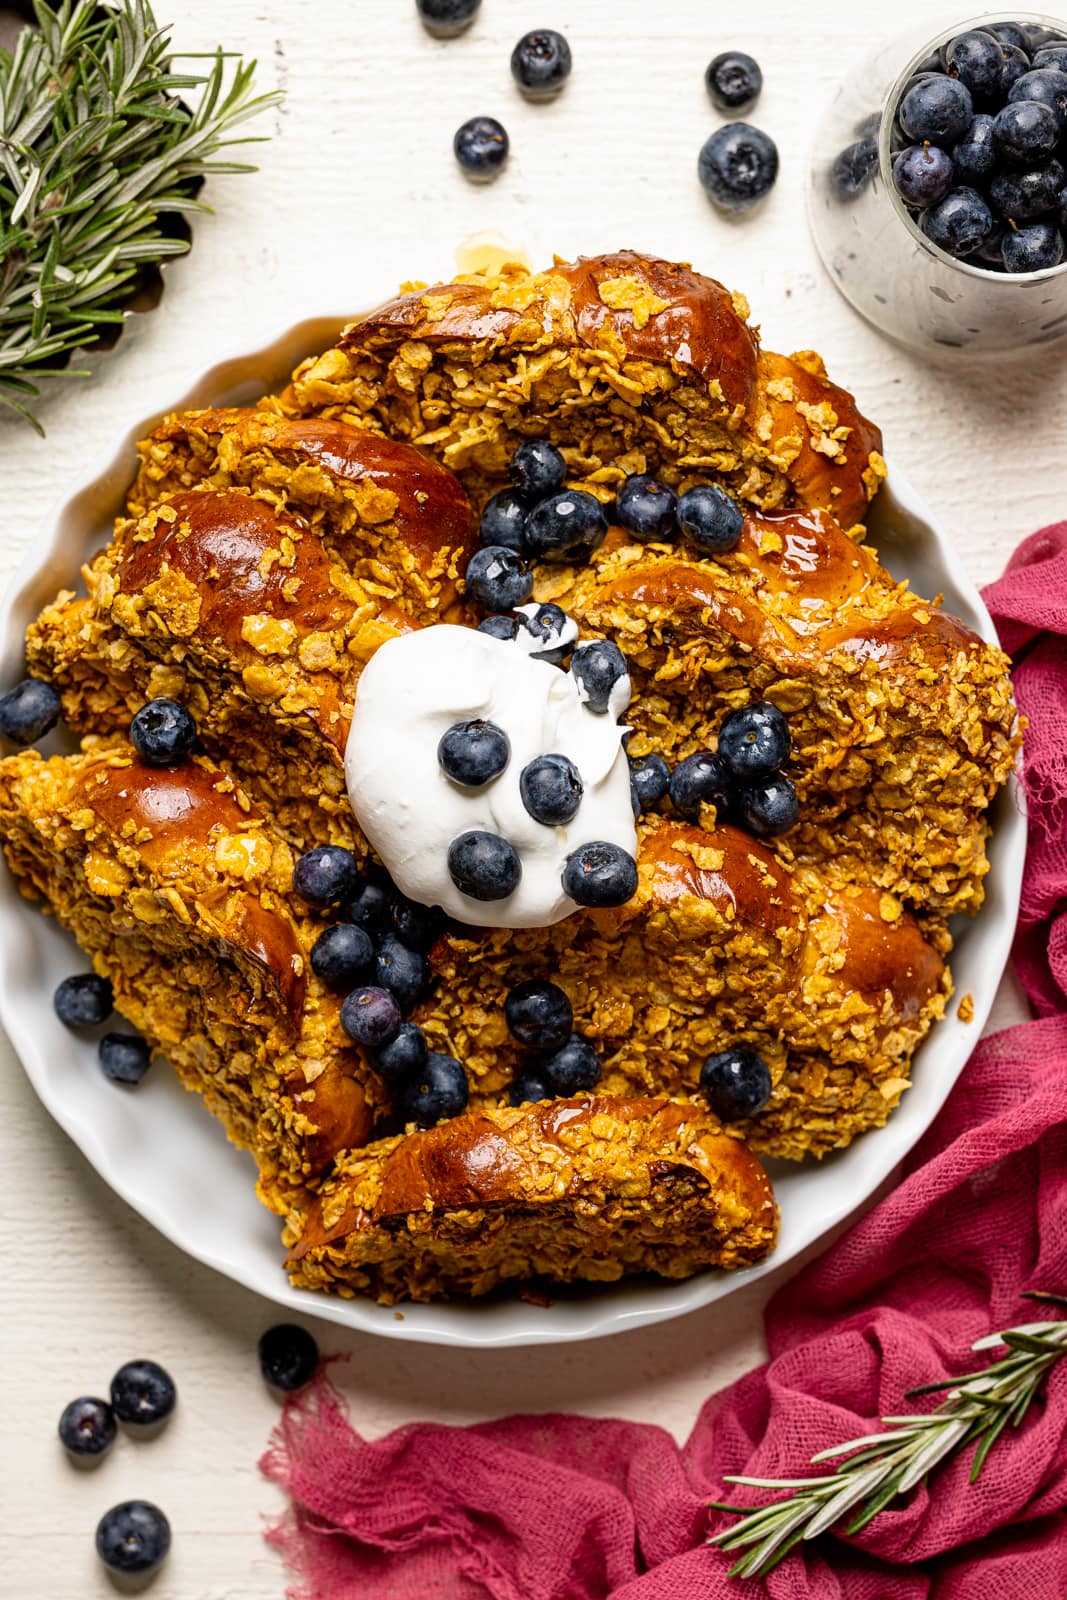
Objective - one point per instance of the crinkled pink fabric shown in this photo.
(569, 1508)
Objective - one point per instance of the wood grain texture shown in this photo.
(357, 190)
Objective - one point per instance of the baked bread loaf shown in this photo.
(595, 1189)
(627, 363)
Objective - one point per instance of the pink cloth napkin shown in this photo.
(569, 1508)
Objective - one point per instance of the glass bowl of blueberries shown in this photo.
(938, 198)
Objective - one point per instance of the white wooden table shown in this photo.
(356, 189)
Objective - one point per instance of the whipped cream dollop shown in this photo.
(416, 687)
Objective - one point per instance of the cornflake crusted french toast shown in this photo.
(392, 914)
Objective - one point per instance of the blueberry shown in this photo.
(530, 1087)
(546, 625)
(769, 808)
(503, 522)
(922, 174)
(326, 875)
(551, 789)
(1009, 33)
(498, 627)
(142, 1394)
(133, 1538)
(650, 779)
(854, 167)
(401, 970)
(596, 668)
(473, 753)
(976, 59)
(737, 1083)
(737, 166)
(371, 1016)
(483, 865)
(371, 906)
(84, 1000)
(1048, 88)
(288, 1357)
(709, 518)
(440, 1090)
(733, 80)
(418, 926)
(342, 956)
(567, 526)
(937, 108)
(574, 1067)
(754, 741)
(1025, 132)
(1016, 65)
(539, 1014)
(445, 18)
(29, 711)
(975, 156)
(498, 579)
(541, 63)
(960, 223)
(1033, 248)
(1022, 196)
(991, 251)
(403, 1055)
(87, 1427)
(646, 508)
(124, 1057)
(1051, 56)
(600, 874)
(701, 779)
(481, 147)
(537, 469)
(163, 733)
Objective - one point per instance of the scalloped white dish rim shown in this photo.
(198, 1190)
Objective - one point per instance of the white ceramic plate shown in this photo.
(170, 1160)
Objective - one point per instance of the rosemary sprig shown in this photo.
(977, 1408)
(97, 150)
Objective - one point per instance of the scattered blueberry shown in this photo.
(976, 59)
(567, 526)
(1032, 249)
(754, 742)
(1025, 131)
(769, 808)
(975, 156)
(342, 956)
(124, 1057)
(701, 779)
(537, 469)
(551, 789)
(371, 1016)
(1023, 196)
(418, 926)
(737, 1083)
(401, 970)
(1047, 87)
(541, 63)
(483, 865)
(854, 167)
(499, 627)
(133, 1538)
(529, 1087)
(142, 1394)
(546, 624)
(498, 579)
(371, 906)
(438, 1091)
(646, 508)
(539, 1014)
(403, 1055)
(84, 1000)
(737, 166)
(87, 1427)
(288, 1357)
(503, 522)
(650, 779)
(445, 18)
(938, 109)
(733, 80)
(596, 668)
(473, 753)
(960, 223)
(326, 875)
(481, 147)
(600, 874)
(29, 711)
(709, 518)
(574, 1067)
(923, 175)
(163, 733)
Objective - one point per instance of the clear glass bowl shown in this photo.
(877, 256)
